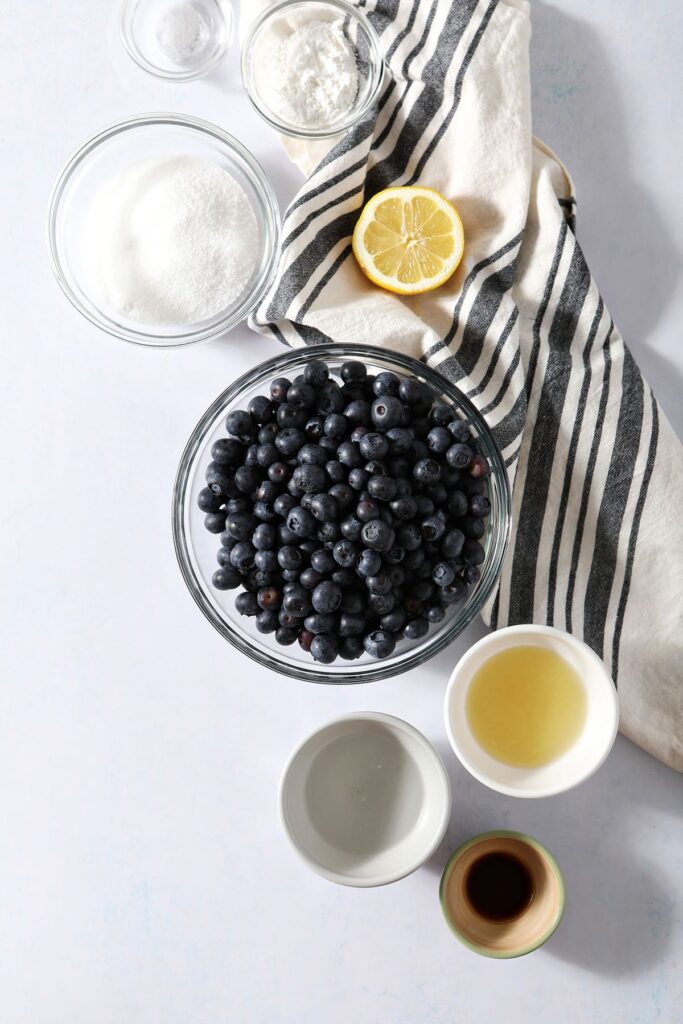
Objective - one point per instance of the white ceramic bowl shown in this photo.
(576, 764)
(365, 800)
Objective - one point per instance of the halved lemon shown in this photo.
(408, 239)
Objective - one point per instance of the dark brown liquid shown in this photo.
(499, 886)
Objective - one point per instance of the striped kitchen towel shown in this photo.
(597, 474)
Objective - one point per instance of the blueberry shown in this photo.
(301, 522)
(324, 648)
(349, 455)
(327, 597)
(310, 578)
(367, 509)
(351, 625)
(452, 544)
(358, 411)
(374, 446)
(374, 468)
(353, 602)
(263, 537)
(473, 552)
(207, 501)
(320, 623)
(289, 557)
(387, 412)
(474, 529)
(266, 455)
(427, 471)
(369, 563)
(305, 640)
(443, 574)
(350, 648)
(315, 428)
(353, 372)
(214, 522)
(226, 451)
(283, 503)
(420, 427)
(440, 415)
(323, 561)
(290, 416)
(279, 388)
(435, 613)
(379, 584)
(358, 433)
(479, 467)
(343, 495)
(290, 440)
(310, 478)
(247, 479)
(324, 508)
(386, 383)
(223, 556)
(418, 450)
(459, 430)
(246, 604)
(472, 573)
(345, 553)
(297, 601)
(379, 643)
(240, 424)
(330, 398)
(471, 485)
(316, 373)
(394, 555)
(268, 433)
(285, 636)
(454, 593)
(266, 561)
(378, 535)
(432, 528)
(261, 409)
(311, 454)
(410, 390)
(358, 479)
(269, 597)
(382, 487)
(413, 559)
(335, 425)
(242, 555)
(344, 578)
(301, 396)
(409, 536)
(351, 528)
(416, 628)
(425, 505)
(226, 578)
(422, 589)
(404, 508)
(393, 620)
(439, 440)
(267, 621)
(459, 455)
(456, 504)
(328, 533)
(285, 535)
(480, 506)
(290, 575)
(399, 439)
(241, 525)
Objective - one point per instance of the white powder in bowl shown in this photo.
(183, 32)
(310, 77)
(170, 240)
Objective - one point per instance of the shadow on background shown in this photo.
(579, 112)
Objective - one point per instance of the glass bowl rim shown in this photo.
(411, 658)
(268, 212)
(126, 14)
(354, 115)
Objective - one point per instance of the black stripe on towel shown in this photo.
(549, 285)
(545, 435)
(482, 312)
(571, 459)
(633, 539)
(613, 505)
(588, 478)
(497, 352)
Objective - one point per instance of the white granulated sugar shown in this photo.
(170, 240)
(183, 32)
(314, 75)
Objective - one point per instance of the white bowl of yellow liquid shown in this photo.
(531, 711)
(365, 800)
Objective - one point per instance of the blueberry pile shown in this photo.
(350, 512)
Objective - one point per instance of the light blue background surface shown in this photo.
(143, 875)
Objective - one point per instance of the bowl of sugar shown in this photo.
(312, 68)
(163, 230)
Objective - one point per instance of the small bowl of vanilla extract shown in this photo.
(502, 894)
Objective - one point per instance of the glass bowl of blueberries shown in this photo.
(341, 513)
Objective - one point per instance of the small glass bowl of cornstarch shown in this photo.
(163, 230)
(312, 68)
(176, 39)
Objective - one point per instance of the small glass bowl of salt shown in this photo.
(312, 68)
(176, 39)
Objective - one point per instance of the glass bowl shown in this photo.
(105, 155)
(142, 20)
(277, 23)
(196, 548)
